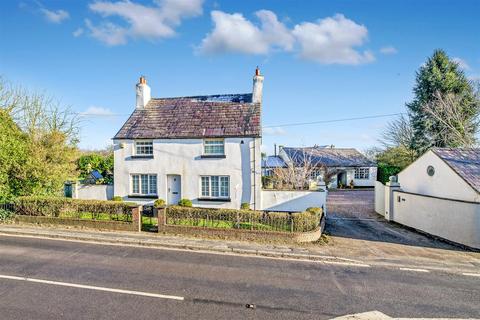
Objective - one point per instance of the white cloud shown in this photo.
(461, 63)
(327, 41)
(78, 32)
(388, 50)
(274, 131)
(97, 111)
(234, 33)
(107, 32)
(57, 16)
(141, 21)
(332, 41)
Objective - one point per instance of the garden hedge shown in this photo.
(256, 220)
(57, 206)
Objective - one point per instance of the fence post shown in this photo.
(391, 186)
(161, 218)
(291, 221)
(137, 217)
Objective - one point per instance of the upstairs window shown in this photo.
(214, 147)
(144, 148)
(362, 173)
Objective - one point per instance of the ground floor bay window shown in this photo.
(215, 187)
(144, 184)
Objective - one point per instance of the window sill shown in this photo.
(142, 157)
(213, 156)
(215, 199)
(143, 196)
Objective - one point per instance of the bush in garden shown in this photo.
(245, 206)
(117, 198)
(5, 215)
(185, 203)
(159, 203)
(315, 210)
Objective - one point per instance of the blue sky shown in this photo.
(322, 60)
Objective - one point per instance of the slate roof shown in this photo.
(228, 115)
(465, 162)
(273, 162)
(330, 157)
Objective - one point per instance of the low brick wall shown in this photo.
(241, 234)
(93, 224)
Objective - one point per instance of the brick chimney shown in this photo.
(257, 87)
(143, 93)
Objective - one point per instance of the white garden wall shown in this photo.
(93, 192)
(283, 200)
(454, 220)
(379, 198)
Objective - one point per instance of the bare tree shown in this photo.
(298, 174)
(455, 126)
(38, 114)
(399, 133)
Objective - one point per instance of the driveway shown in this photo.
(351, 217)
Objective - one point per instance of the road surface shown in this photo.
(50, 279)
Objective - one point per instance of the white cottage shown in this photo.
(203, 148)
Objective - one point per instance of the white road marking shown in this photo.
(349, 264)
(83, 286)
(471, 274)
(414, 269)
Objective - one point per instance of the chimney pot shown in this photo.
(257, 87)
(143, 93)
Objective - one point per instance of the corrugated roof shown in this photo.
(464, 161)
(273, 162)
(194, 117)
(330, 157)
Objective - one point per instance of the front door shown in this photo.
(174, 188)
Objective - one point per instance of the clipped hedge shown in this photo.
(244, 219)
(58, 206)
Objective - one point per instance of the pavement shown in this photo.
(58, 279)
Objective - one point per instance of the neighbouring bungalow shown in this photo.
(346, 167)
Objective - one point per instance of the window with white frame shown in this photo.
(144, 148)
(214, 147)
(144, 184)
(362, 173)
(215, 186)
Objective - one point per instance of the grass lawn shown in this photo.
(149, 222)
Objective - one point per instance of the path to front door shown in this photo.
(174, 188)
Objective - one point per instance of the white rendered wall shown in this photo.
(93, 192)
(379, 198)
(445, 183)
(370, 182)
(452, 220)
(283, 200)
(183, 157)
